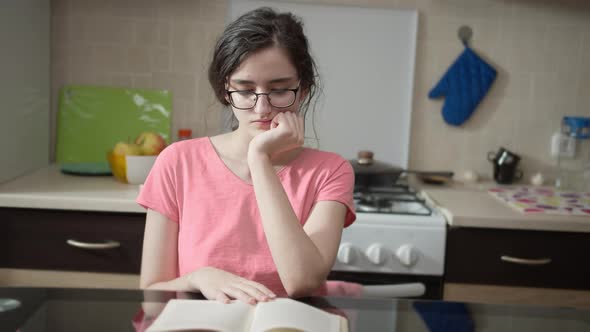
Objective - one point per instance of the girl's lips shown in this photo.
(262, 123)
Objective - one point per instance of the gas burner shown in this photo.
(390, 200)
(374, 203)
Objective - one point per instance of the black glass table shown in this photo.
(56, 309)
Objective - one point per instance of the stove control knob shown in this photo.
(377, 254)
(407, 255)
(347, 253)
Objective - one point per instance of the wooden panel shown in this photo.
(66, 279)
(516, 295)
(36, 239)
(473, 256)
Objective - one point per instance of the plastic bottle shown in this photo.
(574, 163)
(184, 134)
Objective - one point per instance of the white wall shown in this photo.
(24, 86)
(365, 59)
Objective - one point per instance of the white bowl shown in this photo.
(138, 168)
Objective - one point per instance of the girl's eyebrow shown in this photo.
(276, 80)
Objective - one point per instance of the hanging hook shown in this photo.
(465, 33)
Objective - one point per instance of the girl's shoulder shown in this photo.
(193, 145)
(195, 148)
(323, 159)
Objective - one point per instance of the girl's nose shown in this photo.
(262, 105)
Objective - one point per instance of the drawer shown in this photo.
(38, 239)
(518, 258)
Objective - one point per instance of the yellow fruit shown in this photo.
(118, 166)
(150, 143)
(130, 149)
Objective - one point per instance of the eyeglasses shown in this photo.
(245, 100)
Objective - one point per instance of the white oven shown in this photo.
(396, 246)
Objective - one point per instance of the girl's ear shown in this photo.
(303, 94)
(225, 95)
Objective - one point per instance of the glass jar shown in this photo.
(573, 159)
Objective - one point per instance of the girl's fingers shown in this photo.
(296, 128)
(238, 294)
(274, 123)
(278, 119)
(288, 122)
(221, 297)
(261, 288)
(254, 292)
(293, 125)
(301, 128)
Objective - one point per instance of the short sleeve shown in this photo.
(338, 187)
(159, 192)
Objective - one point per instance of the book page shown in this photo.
(288, 315)
(183, 315)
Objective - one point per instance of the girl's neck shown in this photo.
(239, 143)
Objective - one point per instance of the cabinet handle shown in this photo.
(525, 261)
(94, 246)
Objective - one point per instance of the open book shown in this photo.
(277, 315)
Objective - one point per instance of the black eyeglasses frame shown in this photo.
(229, 93)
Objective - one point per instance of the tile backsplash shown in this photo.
(541, 50)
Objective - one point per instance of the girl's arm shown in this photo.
(303, 256)
(159, 259)
(159, 268)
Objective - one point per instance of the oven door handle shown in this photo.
(414, 289)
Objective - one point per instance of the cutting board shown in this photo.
(92, 119)
(545, 200)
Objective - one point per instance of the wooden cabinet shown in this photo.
(518, 258)
(71, 240)
(517, 267)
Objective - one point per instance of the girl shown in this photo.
(250, 214)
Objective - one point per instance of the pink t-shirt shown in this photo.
(218, 217)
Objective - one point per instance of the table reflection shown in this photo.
(91, 310)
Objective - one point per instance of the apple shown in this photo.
(151, 143)
(128, 149)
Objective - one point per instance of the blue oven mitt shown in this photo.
(442, 316)
(464, 84)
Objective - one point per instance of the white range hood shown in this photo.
(365, 58)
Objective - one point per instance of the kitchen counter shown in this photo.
(122, 310)
(462, 205)
(472, 206)
(48, 188)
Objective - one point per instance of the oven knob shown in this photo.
(377, 254)
(347, 253)
(407, 255)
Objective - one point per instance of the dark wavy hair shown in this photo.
(260, 29)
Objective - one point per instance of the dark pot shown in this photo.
(369, 172)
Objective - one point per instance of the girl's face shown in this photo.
(266, 71)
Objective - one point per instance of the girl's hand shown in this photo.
(216, 284)
(286, 133)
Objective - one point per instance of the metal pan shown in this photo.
(369, 172)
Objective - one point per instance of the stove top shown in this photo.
(397, 199)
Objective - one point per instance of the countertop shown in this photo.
(48, 188)
(462, 204)
(470, 205)
(54, 309)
